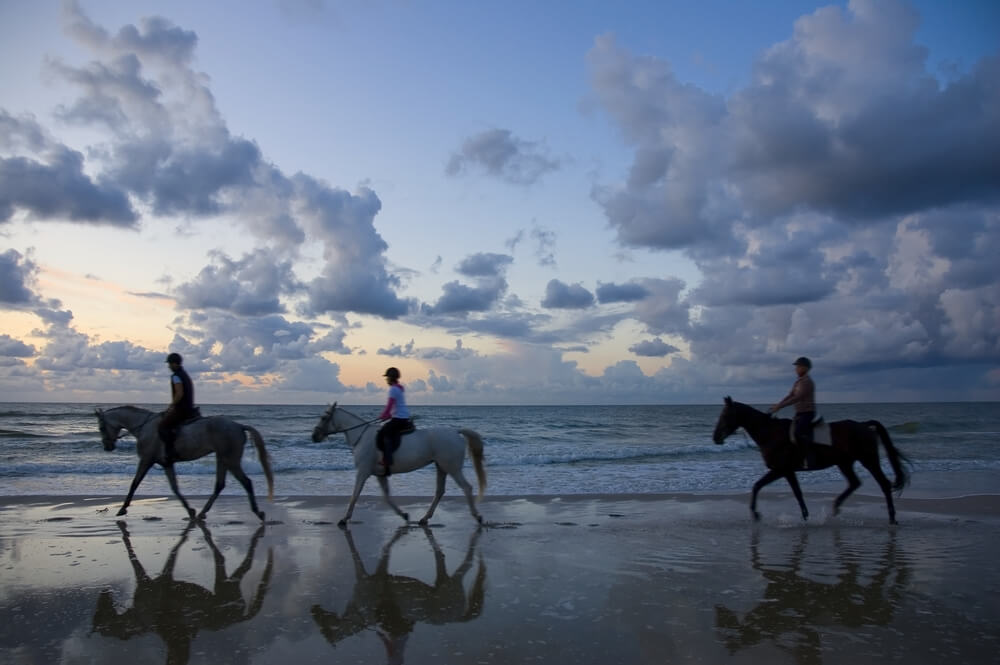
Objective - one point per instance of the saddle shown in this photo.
(169, 435)
(820, 431)
(394, 439)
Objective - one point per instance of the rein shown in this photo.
(366, 424)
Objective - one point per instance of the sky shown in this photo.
(566, 202)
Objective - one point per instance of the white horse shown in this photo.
(215, 434)
(443, 446)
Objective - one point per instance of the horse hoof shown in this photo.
(342, 523)
(423, 522)
(260, 514)
(406, 517)
(479, 518)
(756, 516)
(121, 512)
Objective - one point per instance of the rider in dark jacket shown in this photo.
(181, 404)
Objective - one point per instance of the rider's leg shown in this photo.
(804, 436)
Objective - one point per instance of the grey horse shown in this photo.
(444, 446)
(215, 434)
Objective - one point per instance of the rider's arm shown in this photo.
(178, 392)
(387, 411)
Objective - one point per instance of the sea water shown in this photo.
(953, 448)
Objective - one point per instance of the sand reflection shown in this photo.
(394, 604)
(805, 598)
(177, 610)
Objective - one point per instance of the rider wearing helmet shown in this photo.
(803, 396)
(398, 416)
(181, 405)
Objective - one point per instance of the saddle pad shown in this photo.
(821, 432)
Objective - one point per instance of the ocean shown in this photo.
(954, 449)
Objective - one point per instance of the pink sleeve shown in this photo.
(387, 411)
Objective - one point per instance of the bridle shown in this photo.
(328, 416)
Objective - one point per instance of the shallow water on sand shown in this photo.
(612, 580)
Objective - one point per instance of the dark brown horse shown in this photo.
(851, 442)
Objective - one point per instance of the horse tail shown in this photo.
(896, 458)
(265, 460)
(476, 450)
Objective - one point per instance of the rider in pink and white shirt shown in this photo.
(398, 416)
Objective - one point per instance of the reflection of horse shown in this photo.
(215, 434)
(443, 446)
(394, 604)
(794, 609)
(852, 442)
(177, 610)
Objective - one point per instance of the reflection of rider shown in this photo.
(181, 405)
(398, 415)
(177, 610)
(394, 604)
(803, 396)
(795, 611)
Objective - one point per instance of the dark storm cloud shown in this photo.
(500, 154)
(566, 296)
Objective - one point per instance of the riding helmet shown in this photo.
(392, 373)
(175, 358)
(805, 362)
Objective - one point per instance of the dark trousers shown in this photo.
(804, 433)
(387, 439)
(168, 426)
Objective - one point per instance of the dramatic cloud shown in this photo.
(653, 348)
(15, 348)
(502, 155)
(612, 293)
(488, 270)
(566, 296)
(18, 275)
(842, 204)
(251, 286)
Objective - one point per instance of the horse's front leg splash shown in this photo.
(797, 491)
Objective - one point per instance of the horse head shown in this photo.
(725, 425)
(322, 428)
(109, 433)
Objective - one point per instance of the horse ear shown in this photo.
(729, 400)
(334, 406)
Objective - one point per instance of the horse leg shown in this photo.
(172, 479)
(140, 472)
(442, 477)
(766, 479)
(359, 482)
(797, 491)
(853, 483)
(883, 482)
(467, 488)
(244, 479)
(384, 484)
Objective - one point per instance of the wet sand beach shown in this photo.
(577, 579)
